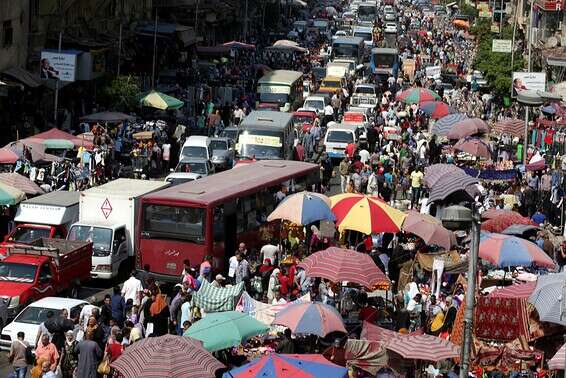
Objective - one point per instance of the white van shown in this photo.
(337, 137)
(196, 146)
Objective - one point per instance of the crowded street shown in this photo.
(317, 188)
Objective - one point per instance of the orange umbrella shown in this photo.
(368, 215)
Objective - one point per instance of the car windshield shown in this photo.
(330, 84)
(218, 145)
(367, 10)
(229, 133)
(194, 151)
(100, 237)
(314, 104)
(35, 315)
(365, 90)
(350, 51)
(280, 98)
(365, 35)
(174, 222)
(339, 136)
(299, 120)
(28, 234)
(15, 272)
(191, 167)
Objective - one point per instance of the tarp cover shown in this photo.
(369, 356)
(453, 263)
(214, 299)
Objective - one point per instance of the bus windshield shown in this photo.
(340, 136)
(384, 60)
(280, 98)
(367, 36)
(261, 144)
(365, 11)
(174, 222)
(343, 50)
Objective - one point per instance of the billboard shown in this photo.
(58, 65)
(528, 81)
(433, 72)
(502, 45)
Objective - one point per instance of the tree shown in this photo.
(121, 93)
(469, 10)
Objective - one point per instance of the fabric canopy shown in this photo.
(108, 117)
(264, 312)
(453, 264)
(23, 183)
(213, 299)
(60, 134)
(369, 356)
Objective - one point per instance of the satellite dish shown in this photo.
(551, 42)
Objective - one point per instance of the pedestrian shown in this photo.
(69, 358)
(344, 169)
(219, 281)
(270, 251)
(114, 350)
(416, 183)
(243, 269)
(47, 351)
(132, 289)
(273, 285)
(17, 356)
(42, 330)
(89, 353)
(286, 345)
(159, 314)
(118, 306)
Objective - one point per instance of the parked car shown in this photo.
(231, 132)
(203, 167)
(29, 319)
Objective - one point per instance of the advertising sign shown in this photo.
(58, 65)
(528, 81)
(433, 71)
(502, 45)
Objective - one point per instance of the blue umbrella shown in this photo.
(444, 124)
(549, 109)
(303, 208)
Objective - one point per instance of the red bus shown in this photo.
(210, 216)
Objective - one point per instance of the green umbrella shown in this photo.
(10, 195)
(221, 330)
(160, 101)
(59, 144)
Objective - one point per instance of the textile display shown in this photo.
(369, 356)
(501, 319)
(214, 299)
(491, 174)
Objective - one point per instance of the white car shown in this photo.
(177, 178)
(390, 16)
(391, 27)
(29, 319)
(339, 33)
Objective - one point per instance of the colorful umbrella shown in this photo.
(161, 101)
(221, 330)
(10, 195)
(522, 291)
(313, 318)
(55, 144)
(445, 124)
(513, 127)
(558, 361)
(429, 229)
(23, 183)
(502, 222)
(60, 134)
(417, 95)
(166, 356)
(368, 215)
(337, 265)
(423, 347)
(453, 185)
(474, 146)
(435, 172)
(8, 156)
(549, 298)
(467, 127)
(506, 250)
(494, 213)
(289, 365)
(436, 109)
(521, 229)
(303, 208)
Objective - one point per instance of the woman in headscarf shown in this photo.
(411, 289)
(69, 359)
(135, 335)
(159, 314)
(315, 239)
(264, 273)
(273, 285)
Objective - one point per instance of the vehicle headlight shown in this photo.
(14, 302)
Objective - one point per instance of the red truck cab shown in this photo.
(44, 268)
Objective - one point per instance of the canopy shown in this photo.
(212, 299)
(60, 134)
(445, 124)
(558, 361)
(310, 318)
(493, 213)
(436, 109)
(112, 117)
(506, 251)
(417, 95)
(467, 127)
(435, 172)
(10, 195)
(337, 265)
(453, 264)
(303, 208)
(264, 312)
(451, 184)
(161, 101)
(548, 298)
(239, 45)
(166, 356)
(8, 156)
(474, 146)
(429, 229)
(37, 151)
(423, 347)
(504, 221)
(513, 127)
(54, 144)
(23, 183)
(222, 330)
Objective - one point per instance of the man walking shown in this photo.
(17, 356)
(243, 269)
(132, 289)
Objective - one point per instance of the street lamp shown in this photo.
(458, 218)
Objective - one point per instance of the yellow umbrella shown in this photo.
(366, 214)
(161, 101)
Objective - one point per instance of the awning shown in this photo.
(556, 61)
(29, 79)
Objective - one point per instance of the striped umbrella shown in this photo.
(452, 185)
(514, 127)
(436, 109)
(10, 195)
(444, 124)
(467, 127)
(373, 332)
(8, 156)
(166, 356)
(558, 361)
(368, 215)
(502, 222)
(23, 183)
(429, 229)
(549, 298)
(303, 208)
(522, 291)
(423, 347)
(505, 251)
(314, 318)
(337, 265)
(474, 146)
(435, 172)
(289, 365)
(417, 95)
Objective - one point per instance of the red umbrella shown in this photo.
(423, 347)
(436, 109)
(501, 222)
(467, 127)
(494, 213)
(8, 156)
(337, 264)
(474, 146)
(167, 356)
(514, 127)
(310, 318)
(60, 134)
(435, 172)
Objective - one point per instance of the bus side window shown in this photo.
(218, 225)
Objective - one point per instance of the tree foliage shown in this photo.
(496, 67)
(121, 93)
(468, 10)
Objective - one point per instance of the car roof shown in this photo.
(342, 126)
(187, 159)
(57, 303)
(183, 175)
(223, 139)
(197, 138)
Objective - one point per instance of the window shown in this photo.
(119, 239)
(45, 273)
(183, 223)
(7, 33)
(218, 225)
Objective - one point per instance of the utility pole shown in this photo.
(470, 293)
(119, 50)
(529, 41)
(154, 52)
(196, 19)
(56, 102)
(246, 22)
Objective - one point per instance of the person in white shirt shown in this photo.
(232, 266)
(132, 289)
(270, 251)
(364, 155)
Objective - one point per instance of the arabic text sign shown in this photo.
(502, 45)
(528, 81)
(261, 140)
(55, 65)
(433, 71)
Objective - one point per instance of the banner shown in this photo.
(58, 65)
(433, 71)
(501, 45)
(528, 81)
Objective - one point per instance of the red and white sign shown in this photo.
(549, 5)
(106, 208)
